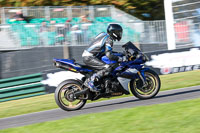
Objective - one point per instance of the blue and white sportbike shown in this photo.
(126, 77)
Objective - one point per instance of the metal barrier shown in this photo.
(154, 32)
(186, 26)
(21, 87)
(47, 34)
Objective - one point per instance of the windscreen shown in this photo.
(130, 46)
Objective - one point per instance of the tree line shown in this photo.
(142, 9)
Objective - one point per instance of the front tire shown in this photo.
(152, 88)
(64, 95)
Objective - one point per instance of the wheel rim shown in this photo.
(152, 85)
(65, 96)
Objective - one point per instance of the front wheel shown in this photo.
(150, 90)
(64, 95)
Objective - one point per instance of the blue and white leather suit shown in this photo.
(100, 46)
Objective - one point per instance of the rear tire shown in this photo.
(64, 95)
(152, 89)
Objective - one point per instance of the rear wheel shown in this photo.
(150, 90)
(64, 95)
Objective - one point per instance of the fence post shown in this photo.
(25, 11)
(3, 19)
(47, 13)
(69, 12)
(91, 12)
(113, 12)
(169, 25)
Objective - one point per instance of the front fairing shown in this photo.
(133, 53)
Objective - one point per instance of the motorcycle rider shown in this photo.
(100, 46)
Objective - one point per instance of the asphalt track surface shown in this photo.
(103, 106)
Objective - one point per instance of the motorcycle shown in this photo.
(126, 77)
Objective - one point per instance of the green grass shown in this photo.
(180, 80)
(179, 117)
(46, 102)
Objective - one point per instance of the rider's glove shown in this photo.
(122, 59)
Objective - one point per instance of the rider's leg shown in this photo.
(103, 70)
(96, 76)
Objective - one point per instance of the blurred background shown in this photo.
(42, 30)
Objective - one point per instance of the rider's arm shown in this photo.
(109, 53)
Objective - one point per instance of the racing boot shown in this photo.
(90, 83)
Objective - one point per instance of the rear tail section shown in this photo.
(70, 65)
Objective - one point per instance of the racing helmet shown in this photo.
(115, 31)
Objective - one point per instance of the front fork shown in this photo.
(142, 77)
